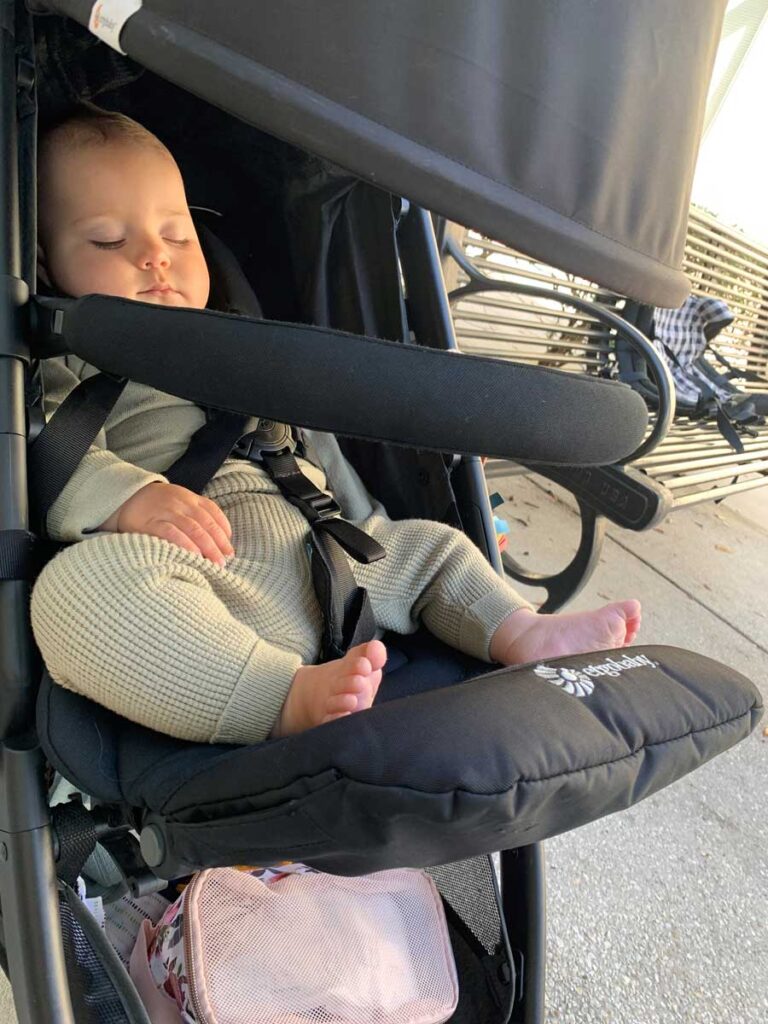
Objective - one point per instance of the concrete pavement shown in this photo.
(659, 914)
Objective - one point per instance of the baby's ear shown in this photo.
(42, 269)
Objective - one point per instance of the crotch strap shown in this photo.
(346, 607)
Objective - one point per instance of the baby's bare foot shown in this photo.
(527, 636)
(320, 693)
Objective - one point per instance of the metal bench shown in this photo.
(508, 305)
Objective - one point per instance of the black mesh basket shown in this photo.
(100, 987)
(470, 893)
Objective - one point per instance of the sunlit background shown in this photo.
(732, 173)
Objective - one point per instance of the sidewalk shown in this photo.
(657, 915)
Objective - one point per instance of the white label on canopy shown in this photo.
(108, 18)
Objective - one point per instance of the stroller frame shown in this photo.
(31, 947)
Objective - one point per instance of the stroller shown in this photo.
(301, 126)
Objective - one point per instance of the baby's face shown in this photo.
(114, 219)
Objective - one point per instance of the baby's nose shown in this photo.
(152, 253)
(155, 258)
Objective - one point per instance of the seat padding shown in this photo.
(499, 761)
(117, 761)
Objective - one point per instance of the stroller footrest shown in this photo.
(500, 761)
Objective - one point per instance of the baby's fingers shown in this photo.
(217, 515)
(212, 526)
(169, 531)
(205, 539)
(190, 535)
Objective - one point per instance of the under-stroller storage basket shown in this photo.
(278, 947)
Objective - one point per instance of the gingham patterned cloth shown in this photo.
(682, 331)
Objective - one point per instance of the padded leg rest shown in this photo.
(500, 761)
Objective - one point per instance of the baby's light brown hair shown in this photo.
(88, 125)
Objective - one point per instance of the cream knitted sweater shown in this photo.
(170, 640)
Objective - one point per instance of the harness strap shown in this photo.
(726, 423)
(735, 371)
(66, 438)
(63, 442)
(347, 614)
(207, 449)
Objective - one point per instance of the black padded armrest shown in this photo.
(349, 384)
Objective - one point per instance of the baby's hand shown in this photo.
(178, 515)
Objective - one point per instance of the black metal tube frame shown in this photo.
(522, 879)
(30, 917)
(562, 586)
(660, 375)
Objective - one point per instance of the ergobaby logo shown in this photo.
(108, 18)
(579, 681)
(101, 21)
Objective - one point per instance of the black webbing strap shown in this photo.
(347, 613)
(66, 438)
(726, 424)
(23, 554)
(63, 442)
(208, 448)
(735, 371)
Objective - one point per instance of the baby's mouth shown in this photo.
(158, 289)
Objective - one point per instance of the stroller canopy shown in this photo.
(568, 130)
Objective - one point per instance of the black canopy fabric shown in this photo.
(568, 130)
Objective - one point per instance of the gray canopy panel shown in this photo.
(566, 129)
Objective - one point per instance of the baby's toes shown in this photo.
(376, 653)
(356, 684)
(331, 717)
(631, 608)
(341, 704)
(360, 667)
(632, 632)
(375, 682)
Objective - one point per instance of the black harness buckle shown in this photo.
(270, 436)
(323, 505)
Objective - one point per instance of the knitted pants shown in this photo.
(170, 640)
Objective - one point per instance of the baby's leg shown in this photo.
(526, 635)
(435, 573)
(320, 693)
(165, 638)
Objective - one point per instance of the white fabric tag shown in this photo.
(93, 903)
(123, 920)
(108, 18)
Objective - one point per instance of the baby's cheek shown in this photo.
(199, 283)
(85, 273)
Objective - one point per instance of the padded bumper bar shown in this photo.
(351, 385)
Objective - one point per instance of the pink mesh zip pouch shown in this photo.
(295, 946)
